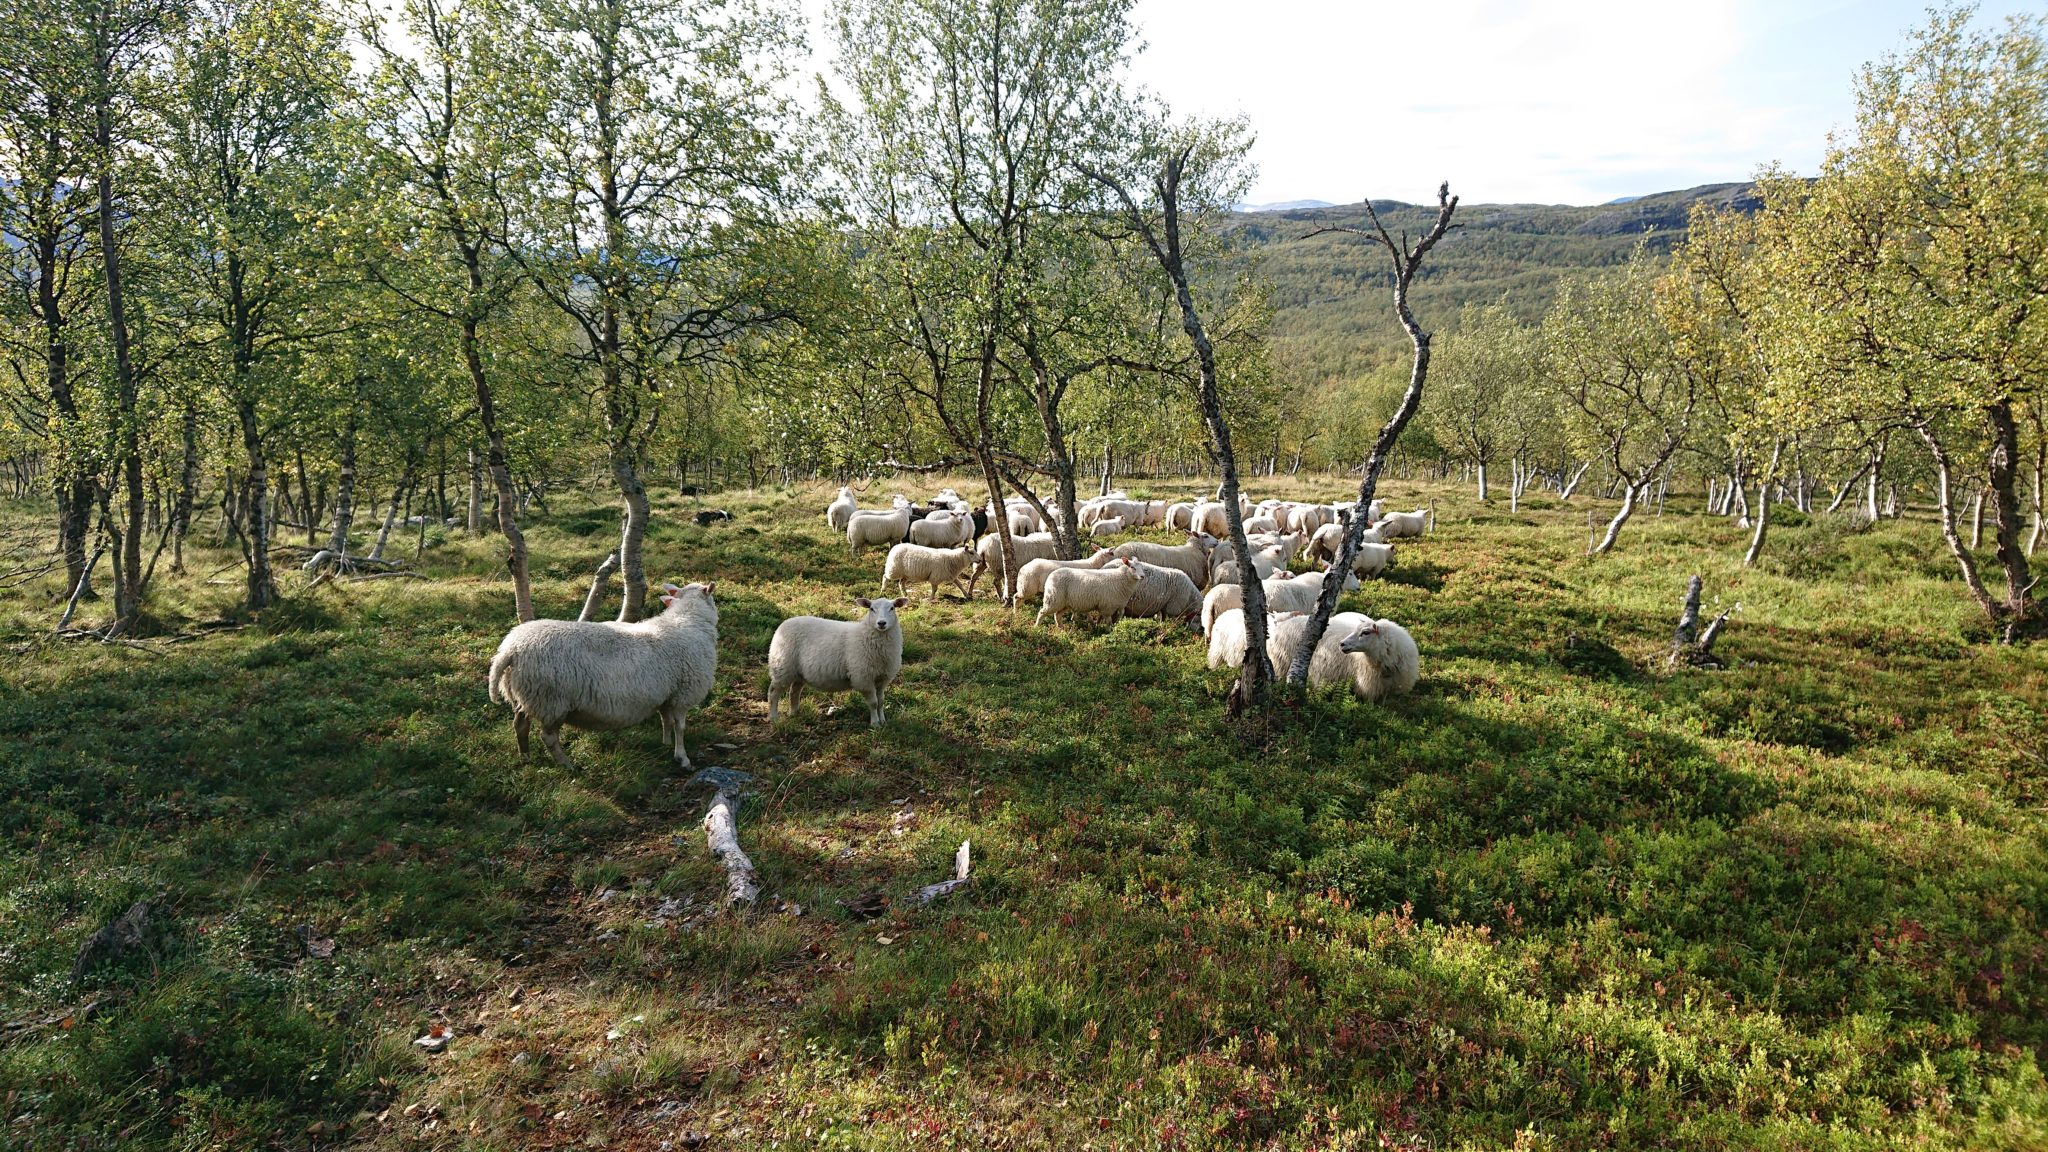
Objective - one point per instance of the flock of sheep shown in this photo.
(604, 675)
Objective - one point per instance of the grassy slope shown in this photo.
(1330, 291)
(1556, 898)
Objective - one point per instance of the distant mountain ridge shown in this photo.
(1331, 293)
(1285, 206)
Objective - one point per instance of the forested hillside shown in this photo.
(1331, 317)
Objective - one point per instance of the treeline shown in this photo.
(289, 274)
(1866, 335)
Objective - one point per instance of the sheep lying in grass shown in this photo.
(1381, 663)
(1101, 592)
(841, 509)
(1107, 526)
(604, 675)
(1191, 557)
(861, 656)
(1031, 577)
(1164, 592)
(916, 564)
(1395, 525)
(864, 528)
(1391, 651)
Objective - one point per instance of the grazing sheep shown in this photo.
(1101, 592)
(1022, 523)
(917, 564)
(1109, 526)
(710, 516)
(1031, 577)
(841, 509)
(1210, 517)
(1308, 518)
(942, 530)
(1191, 557)
(1261, 523)
(603, 675)
(1322, 547)
(1167, 593)
(861, 656)
(1179, 516)
(863, 528)
(1390, 653)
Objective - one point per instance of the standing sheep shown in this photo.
(1282, 595)
(863, 528)
(942, 530)
(1036, 546)
(1191, 557)
(841, 509)
(1167, 593)
(861, 656)
(1103, 592)
(916, 564)
(603, 675)
(1031, 577)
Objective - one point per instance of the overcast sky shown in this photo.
(1536, 101)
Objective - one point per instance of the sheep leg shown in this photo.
(796, 696)
(551, 735)
(774, 695)
(674, 718)
(875, 715)
(522, 724)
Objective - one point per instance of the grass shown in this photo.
(1559, 898)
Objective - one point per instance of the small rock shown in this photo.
(885, 940)
(436, 1038)
(727, 747)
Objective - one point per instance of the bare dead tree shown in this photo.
(1163, 240)
(1406, 259)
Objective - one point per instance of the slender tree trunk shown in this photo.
(1763, 509)
(345, 490)
(257, 509)
(2001, 474)
(2040, 473)
(188, 487)
(1482, 481)
(1572, 485)
(127, 383)
(494, 437)
(633, 533)
(476, 493)
(1977, 519)
(1945, 508)
(1628, 508)
(401, 493)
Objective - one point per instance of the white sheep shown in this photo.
(1167, 593)
(1282, 595)
(1371, 559)
(988, 554)
(1395, 525)
(841, 509)
(942, 530)
(1191, 557)
(1101, 592)
(1179, 516)
(1107, 526)
(1379, 665)
(1031, 577)
(863, 528)
(861, 656)
(916, 564)
(603, 675)
(1261, 523)
(1390, 651)
(1229, 639)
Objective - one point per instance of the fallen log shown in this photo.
(721, 833)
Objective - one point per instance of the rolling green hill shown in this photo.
(1332, 292)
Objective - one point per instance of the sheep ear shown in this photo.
(861, 600)
(901, 601)
(710, 588)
